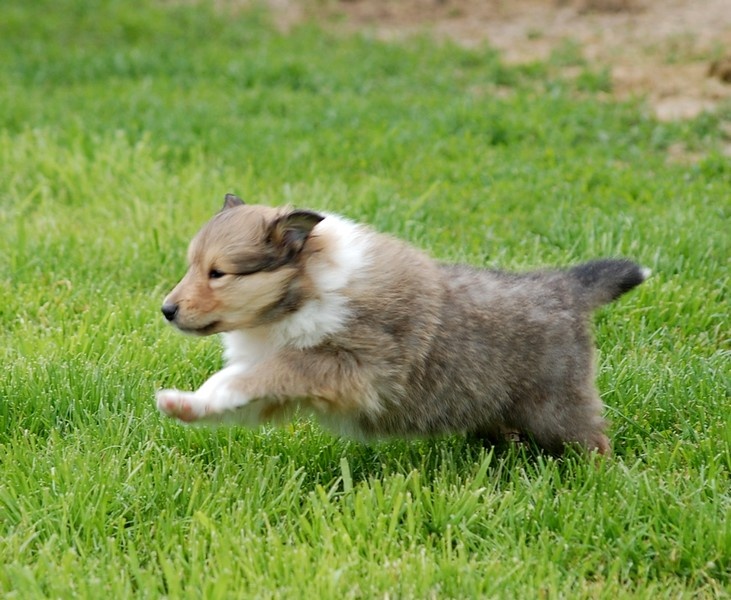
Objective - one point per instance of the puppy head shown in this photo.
(245, 269)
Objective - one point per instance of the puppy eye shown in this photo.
(215, 274)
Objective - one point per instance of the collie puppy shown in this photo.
(376, 339)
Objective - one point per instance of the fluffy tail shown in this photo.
(604, 280)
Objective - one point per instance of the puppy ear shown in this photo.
(291, 231)
(231, 201)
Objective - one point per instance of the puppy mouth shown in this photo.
(208, 329)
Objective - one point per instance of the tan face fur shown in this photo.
(245, 269)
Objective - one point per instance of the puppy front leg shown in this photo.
(212, 402)
(270, 390)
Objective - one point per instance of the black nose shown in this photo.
(169, 310)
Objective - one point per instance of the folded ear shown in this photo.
(291, 231)
(232, 200)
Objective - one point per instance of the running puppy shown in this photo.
(376, 339)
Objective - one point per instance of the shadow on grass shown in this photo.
(321, 458)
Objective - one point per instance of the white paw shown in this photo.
(184, 406)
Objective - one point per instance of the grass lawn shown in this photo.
(122, 125)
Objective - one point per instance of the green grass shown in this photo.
(123, 124)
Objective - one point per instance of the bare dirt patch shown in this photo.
(661, 50)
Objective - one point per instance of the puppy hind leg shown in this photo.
(571, 419)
